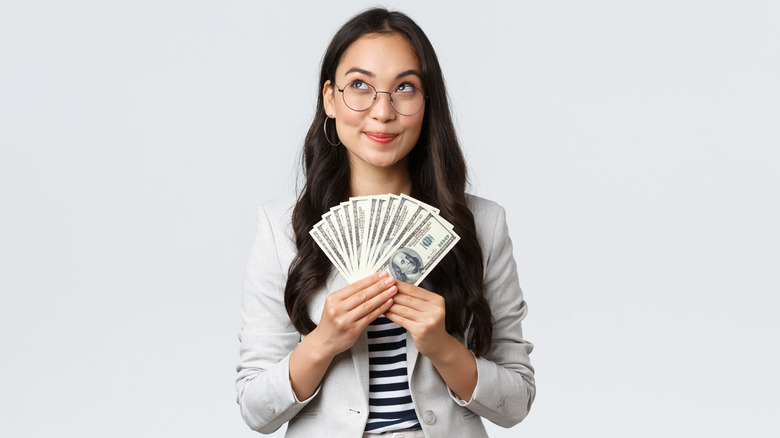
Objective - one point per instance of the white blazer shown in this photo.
(339, 408)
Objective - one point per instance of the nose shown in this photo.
(382, 109)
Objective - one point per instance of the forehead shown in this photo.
(383, 55)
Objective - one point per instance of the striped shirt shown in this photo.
(390, 404)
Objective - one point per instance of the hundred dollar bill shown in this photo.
(402, 214)
(414, 217)
(361, 210)
(387, 216)
(359, 219)
(337, 223)
(331, 231)
(328, 247)
(420, 251)
(375, 225)
(372, 217)
(346, 209)
(430, 208)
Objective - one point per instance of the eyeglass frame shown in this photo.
(376, 93)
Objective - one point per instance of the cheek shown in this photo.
(414, 124)
(411, 138)
(348, 120)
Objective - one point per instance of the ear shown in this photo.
(327, 99)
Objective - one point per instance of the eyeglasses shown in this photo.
(406, 100)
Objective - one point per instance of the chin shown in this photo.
(382, 164)
(382, 160)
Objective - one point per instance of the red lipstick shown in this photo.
(381, 137)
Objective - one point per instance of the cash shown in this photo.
(399, 234)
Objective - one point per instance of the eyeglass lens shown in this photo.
(406, 99)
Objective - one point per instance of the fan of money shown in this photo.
(398, 234)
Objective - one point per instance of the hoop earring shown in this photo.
(325, 131)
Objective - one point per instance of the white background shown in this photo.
(634, 145)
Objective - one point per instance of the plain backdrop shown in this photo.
(633, 144)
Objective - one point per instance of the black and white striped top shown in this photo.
(390, 404)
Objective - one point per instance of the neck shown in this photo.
(395, 180)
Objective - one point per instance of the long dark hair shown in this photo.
(438, 174)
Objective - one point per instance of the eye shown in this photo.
(406, 89)
(359, 85)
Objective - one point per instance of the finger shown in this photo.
(418, 298)
(410, 301)
(405, 311)
(368, 307)
(414, 291)
(363, 283)
(371, 316)
(363, 296)
(398, 318)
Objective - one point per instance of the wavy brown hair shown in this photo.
(438, 173)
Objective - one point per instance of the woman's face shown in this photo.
(379, 137)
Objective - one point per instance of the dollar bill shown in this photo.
(361, 212)
(407, 211)
(346, 208)
(399, 234)
(328, 230)
(329, 250)
(390, 211)
(420, 251)
(430, 208)
(337, 224)
(374, 229)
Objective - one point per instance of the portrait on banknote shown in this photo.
(406, 265)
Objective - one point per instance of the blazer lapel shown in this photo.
(411, 356)
(359, 351)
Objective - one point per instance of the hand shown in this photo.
(421, 313)
(348, 311)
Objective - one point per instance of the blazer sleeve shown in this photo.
(505, 386)
(267, 336)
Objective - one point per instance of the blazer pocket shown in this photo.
(304, 414)
(468, 413)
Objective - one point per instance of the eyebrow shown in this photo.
(371, 75)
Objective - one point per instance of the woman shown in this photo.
(307, 335)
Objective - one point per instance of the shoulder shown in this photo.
(278, 212)
(491, 226)
(486, 213)
(481, 205)
(274, 219)
(281, 206)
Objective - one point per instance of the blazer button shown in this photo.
(501, 403)
(429, 417)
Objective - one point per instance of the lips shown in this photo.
(381, 137)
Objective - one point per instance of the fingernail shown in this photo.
(392, 291)
(390, 280)
(383, 274)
